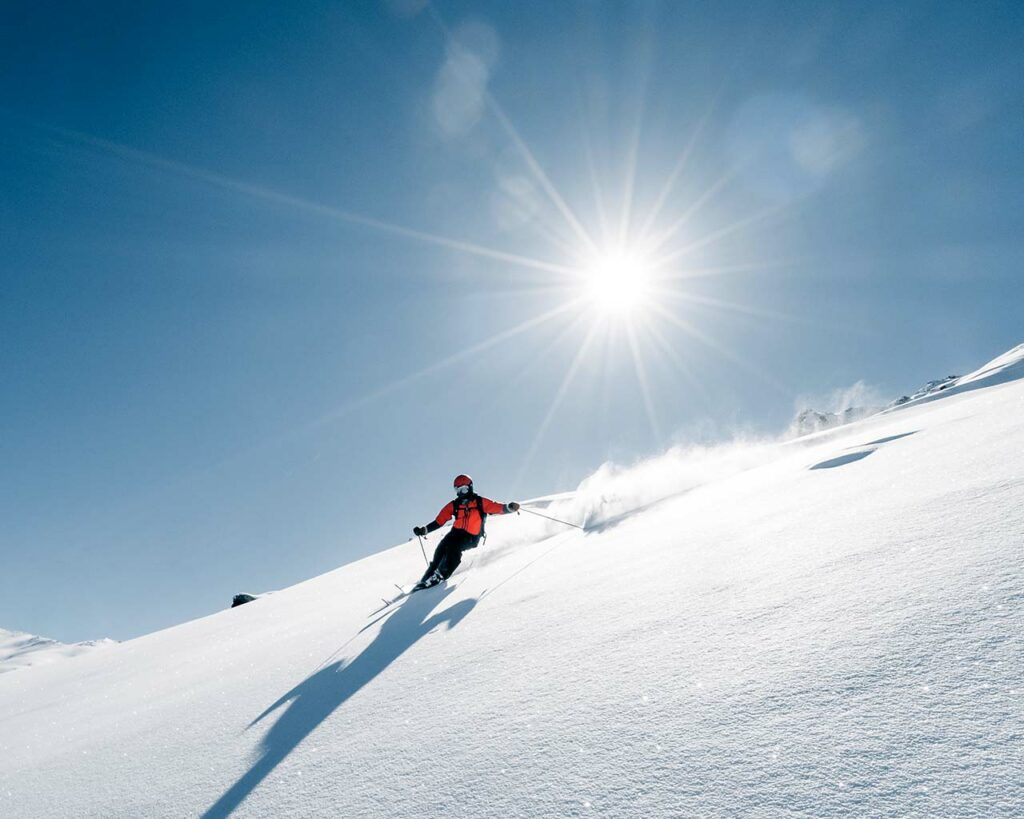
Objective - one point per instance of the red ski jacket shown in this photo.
(467, 513)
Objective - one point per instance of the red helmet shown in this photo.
(462, 480)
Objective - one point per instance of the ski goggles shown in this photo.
(463, 490)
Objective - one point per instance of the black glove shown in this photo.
(419, 531)
(512, 506)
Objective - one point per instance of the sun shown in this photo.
(618, 283)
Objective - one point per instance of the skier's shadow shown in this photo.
(319, 695)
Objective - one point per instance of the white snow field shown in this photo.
(830, 628)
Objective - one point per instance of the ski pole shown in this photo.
(424, 551)
(556, 520)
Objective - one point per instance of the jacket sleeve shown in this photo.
(495, 508)
(442, 518)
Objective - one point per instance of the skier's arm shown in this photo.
(495, 508)
(442, 518)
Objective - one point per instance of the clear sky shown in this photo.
(272, 273)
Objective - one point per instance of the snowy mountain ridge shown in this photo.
(809, 420)
(829, 626)
(21, 650)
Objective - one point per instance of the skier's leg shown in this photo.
(450, 549)
(439, 554)
(459, 540)
(451, 562)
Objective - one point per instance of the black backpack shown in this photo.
(479, 508)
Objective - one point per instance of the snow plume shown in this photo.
(841, 406)
(614, 492)
(838, 401)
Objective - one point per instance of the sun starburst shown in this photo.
(617, 284)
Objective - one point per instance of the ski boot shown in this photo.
(427, 582)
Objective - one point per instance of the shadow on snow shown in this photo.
(842, 460)
(890, 438)
(314, 699)
(852, 457)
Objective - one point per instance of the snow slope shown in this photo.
(20, 650)
(829, 627)
(1007, 367)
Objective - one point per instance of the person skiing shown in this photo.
(470, 511)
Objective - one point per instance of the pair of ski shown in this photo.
(402, 594)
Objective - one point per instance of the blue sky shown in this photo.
(241, 243)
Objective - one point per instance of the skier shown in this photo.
(469, 510)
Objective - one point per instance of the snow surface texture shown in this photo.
(830, 627)
(20, 650)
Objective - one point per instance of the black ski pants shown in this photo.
(448, 554)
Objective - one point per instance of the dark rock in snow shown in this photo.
(937, 385)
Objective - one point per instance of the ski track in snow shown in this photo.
(774, 640)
